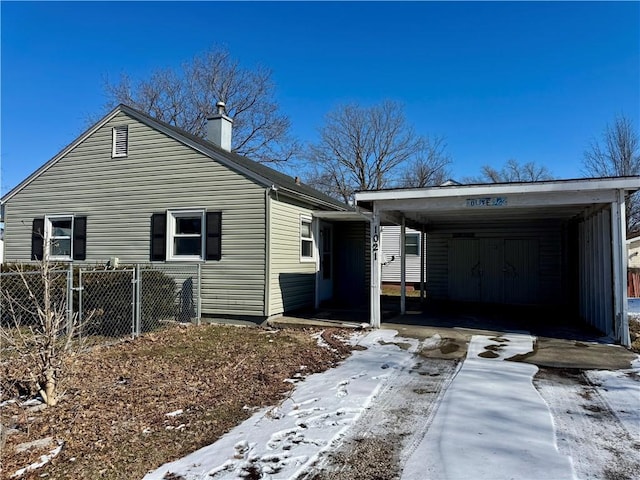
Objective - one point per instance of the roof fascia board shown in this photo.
(61, 154)
(459, 203)
(623, 183)
(309, 199)
(354, 216)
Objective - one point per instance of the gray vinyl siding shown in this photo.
(548, 241)
(391, 247)
(292, 281)
(119, 195)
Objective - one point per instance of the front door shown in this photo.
(325, 283)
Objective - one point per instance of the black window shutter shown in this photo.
(80, 238)
(214, 236)
(37, 239)
(158, 237)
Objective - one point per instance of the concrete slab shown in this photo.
(445, 334)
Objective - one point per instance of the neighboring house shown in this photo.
(390, 242)
(633, 250)
(1, 245)
(140, 190)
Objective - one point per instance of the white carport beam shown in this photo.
(376, 270)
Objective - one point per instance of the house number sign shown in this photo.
(487, 202)
(375, 240)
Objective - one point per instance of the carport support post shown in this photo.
(619, 258)
(403, 267)
(376, 268)
(423, 254)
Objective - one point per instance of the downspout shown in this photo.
(267, 262)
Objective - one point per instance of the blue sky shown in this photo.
(534, 81)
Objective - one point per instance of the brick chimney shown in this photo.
(219, 128)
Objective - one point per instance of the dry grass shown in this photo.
(113, 420)
(394, 291)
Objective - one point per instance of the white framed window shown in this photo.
(120, 138)
(185, 239)
(58, 237)
(412, 244)
(306, 239)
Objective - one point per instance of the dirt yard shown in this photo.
(131, 407)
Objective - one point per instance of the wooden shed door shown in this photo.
(493, 270)
(464, 270)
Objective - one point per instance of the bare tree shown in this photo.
(430, 166)
(512, 171)
(362, 148)
(617, 154)
(187, 97)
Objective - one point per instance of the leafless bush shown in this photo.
(36, 329)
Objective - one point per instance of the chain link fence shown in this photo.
(25, 292)
(103, 303)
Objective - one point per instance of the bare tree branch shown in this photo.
(430, 167)
(617, 154)
(362, 148)
(512, 171)
(185, 99)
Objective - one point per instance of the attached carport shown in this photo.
(558, 244)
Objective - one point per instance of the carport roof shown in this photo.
(502, 202)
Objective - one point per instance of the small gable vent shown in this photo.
(120, 141)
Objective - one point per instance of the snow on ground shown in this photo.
(597, 419)
(285, 441)
(620, 390)
(485, 420)
(491, 423)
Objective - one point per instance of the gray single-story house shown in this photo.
(558, 244)
(139, 190)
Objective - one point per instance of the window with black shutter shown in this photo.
(59, 238)
(186, 235)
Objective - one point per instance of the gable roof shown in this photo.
(258, 172)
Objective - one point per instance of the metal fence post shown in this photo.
(135, 306)
(70, 299)
(80, 304)
(198, 300)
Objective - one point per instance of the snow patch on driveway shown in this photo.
(492, 423)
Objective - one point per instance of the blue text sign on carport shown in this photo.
(487, 202)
